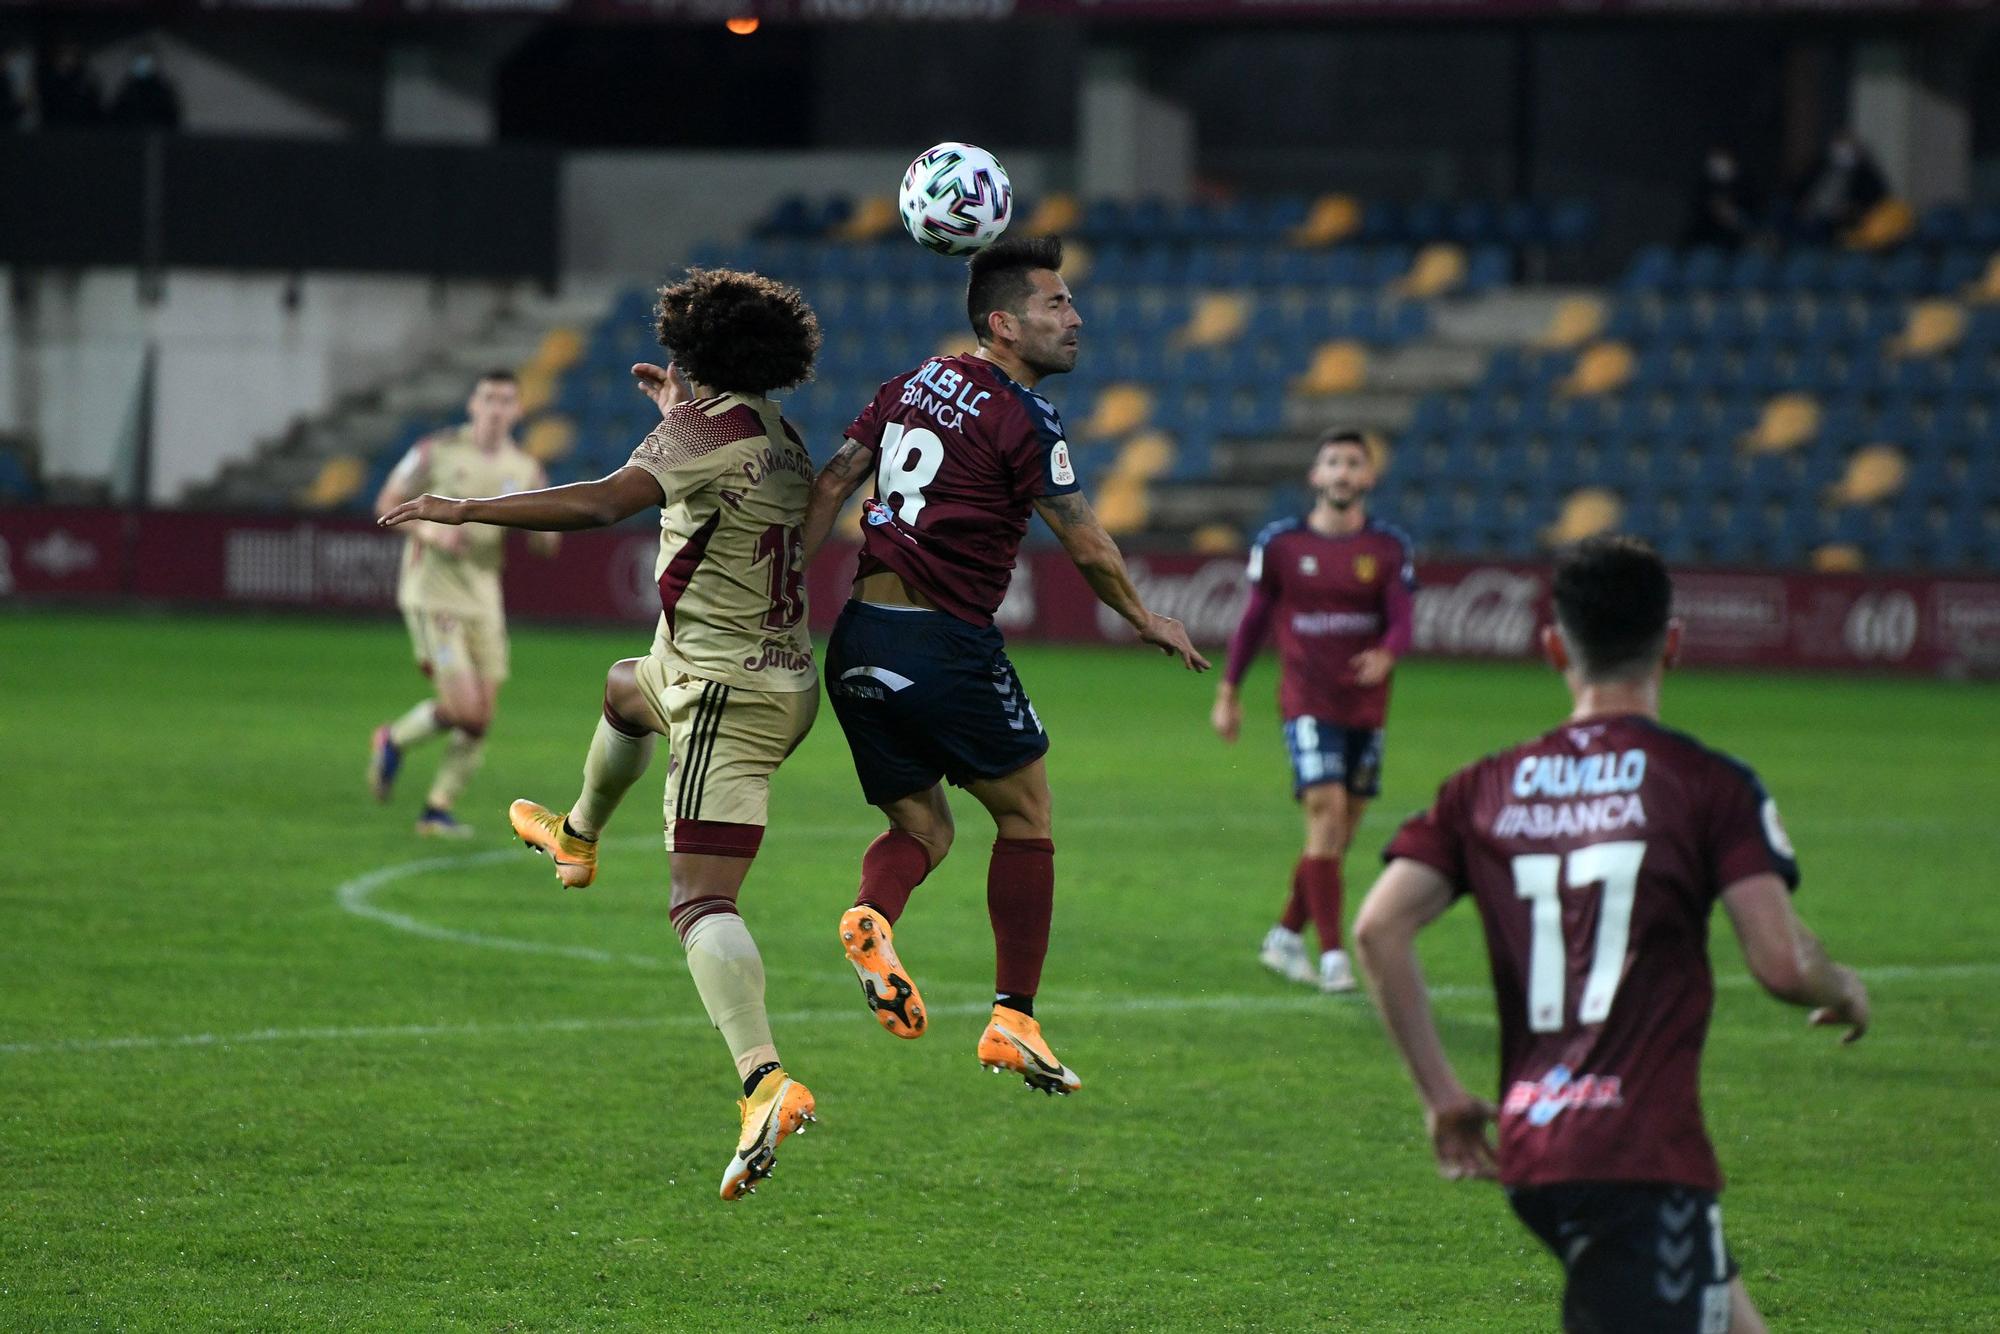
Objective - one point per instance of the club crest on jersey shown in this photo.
(874, 513)
(1059, 464)
(1364, 568)
(1309, 565)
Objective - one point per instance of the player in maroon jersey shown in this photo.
(962, 449)
(1337, 586)
(1594, 855)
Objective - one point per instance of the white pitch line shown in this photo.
(1080, 1003)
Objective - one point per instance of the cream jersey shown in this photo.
(465, 583)
(731, 570)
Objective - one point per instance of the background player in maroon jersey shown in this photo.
(961, 449)
(1594, 854)
(1337, 586)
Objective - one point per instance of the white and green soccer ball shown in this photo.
(956, 199)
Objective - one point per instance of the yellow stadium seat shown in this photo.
(1338, 367)
(1332, 219)
(1987, 287)
(1120, 409)
(1218, 318)
(872, 219)
(550, 437)
(1216, 539)
(1788, 421)
(1933, 327)
(1585, 513)
(1576, 322)
(1888, 224)
(1078, 260)
(340, 479)
(1837, 558)
(538, 389)
(1145, 456)
(957, 345)
(561, 348)
(1056, 214)
(1603, 368)
(1438, 268)
(1122, 505)
(1875, 472)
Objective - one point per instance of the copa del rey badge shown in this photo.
(1059, 464)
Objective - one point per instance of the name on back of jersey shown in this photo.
(947, 396)
(1597, 794)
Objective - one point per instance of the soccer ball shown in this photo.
(956, 199)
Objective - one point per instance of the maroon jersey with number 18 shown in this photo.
(963, 451)
(1595, 854)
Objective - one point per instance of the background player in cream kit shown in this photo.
(449, 593)
(730, 680)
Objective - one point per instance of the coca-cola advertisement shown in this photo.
(1472, 610)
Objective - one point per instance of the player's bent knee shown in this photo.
(625, 706)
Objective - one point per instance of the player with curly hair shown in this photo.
(730, 681)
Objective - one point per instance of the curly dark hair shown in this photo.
(738, 332)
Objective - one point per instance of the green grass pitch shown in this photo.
(268, 1062)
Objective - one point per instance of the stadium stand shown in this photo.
(1826, 407)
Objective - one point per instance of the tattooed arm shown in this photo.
(850, 466)
(1097, 557)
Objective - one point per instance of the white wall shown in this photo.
(236, 366)
(634, 215)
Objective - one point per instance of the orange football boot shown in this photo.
(871, 948)
(779, 1107)
(542, 829)
(1013, 1041)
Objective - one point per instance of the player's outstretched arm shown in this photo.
(555, 509)
(844, 472)
(1097, 557)
(1787, 959)
(398, 486)
(1408, 897)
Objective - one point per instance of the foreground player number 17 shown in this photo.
(1538, 879)
(911, 458)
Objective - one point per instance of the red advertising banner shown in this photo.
(1783, 620)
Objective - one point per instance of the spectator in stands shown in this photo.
(69, 92)
(146, 100)
(1722, 204)
(17, 87)
(1838, 192)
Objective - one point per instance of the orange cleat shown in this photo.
(890, 993)
(1013, 1041)
(780, 1106)
(542, 829)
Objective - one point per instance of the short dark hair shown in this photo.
(503, 376)
(997, 277)
(738, 332)
(1613, 597)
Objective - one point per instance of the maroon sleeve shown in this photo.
(1436, 837)
(1746, 837)
(1397, 616)
(1250, 631)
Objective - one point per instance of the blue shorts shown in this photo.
(1324, 752)
(922, 695)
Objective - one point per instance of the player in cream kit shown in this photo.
(448, 590)
(730, 681)
(1595, 854)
